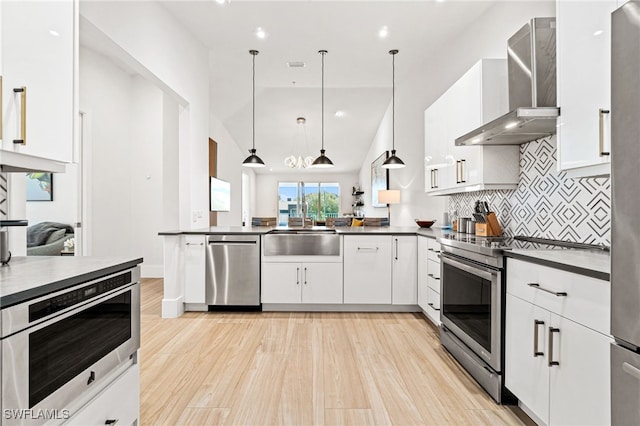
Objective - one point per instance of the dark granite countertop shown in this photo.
(26, 278)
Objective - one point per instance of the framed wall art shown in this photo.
(379, 178)
(39, 186)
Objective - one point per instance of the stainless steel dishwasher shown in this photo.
(233, 270)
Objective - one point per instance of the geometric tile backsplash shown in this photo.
(4, 202)
(547, 203)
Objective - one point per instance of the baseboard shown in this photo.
(338, 308)
(172, 308)
(151, 271)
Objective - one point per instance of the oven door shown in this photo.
(50, 365)
(470, 305)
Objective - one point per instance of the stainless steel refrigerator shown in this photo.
(625, 238)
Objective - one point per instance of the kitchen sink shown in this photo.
(316, 241)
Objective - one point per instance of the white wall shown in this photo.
(230, 168)
(267, 189)
(486, 38)
(177, 63)
(126, 143)
(105, 95)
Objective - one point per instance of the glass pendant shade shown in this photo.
(253, 160)
(393, 162)
(323, 161)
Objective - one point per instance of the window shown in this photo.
(322, 200)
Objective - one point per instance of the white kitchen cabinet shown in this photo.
(367, 269)
(38, 43)
(583, 38)
(194, 250)
(438, 166)
(404, 267)
(478, 97)
(556, 354)
(527, 374)
(433, 281)
(119, 402)
(295, 283)
(422, 272)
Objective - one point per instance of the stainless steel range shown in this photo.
(472, 306)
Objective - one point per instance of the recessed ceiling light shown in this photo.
(54, 33)
(599, 32)
(339, 113)
(384, 32)
(261, 33)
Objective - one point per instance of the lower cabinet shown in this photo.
(194, 268)
(404, 266)
(118, 403)
(556, 366)
(422, 272)
(367, 269)
(433, 282)
(302, 283)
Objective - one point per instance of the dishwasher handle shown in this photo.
(233, 243)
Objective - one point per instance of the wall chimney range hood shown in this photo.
(531, 61)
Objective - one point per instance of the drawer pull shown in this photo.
(111, 421)
(433, 307)
(193, 244)
(555, 293)
(430, 275)
(367, 248)
(601, 113)
(551, 331)
(536, 351)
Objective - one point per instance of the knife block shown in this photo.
(489, 229)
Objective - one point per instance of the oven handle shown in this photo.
(481, 271)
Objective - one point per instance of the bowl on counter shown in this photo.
(425, 223)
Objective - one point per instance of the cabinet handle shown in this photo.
(551, 331)
(367, 248)
(111, 421)
(430, 275)
(396, 249)
(193, 244)
(305, 276)
(457, 171)
(23, 115)
(601, 113)
(431, 183)
(433, 307)
(435, 174)
(463, 163)
(555, 293)
(297, 276)
(536, 351)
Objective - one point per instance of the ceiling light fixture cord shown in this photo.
(253, 160)
(322, 161)
(393, 162)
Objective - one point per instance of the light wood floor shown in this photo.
(303, 369)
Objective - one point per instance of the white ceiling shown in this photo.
(357, 66)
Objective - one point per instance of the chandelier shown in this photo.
(298, 162)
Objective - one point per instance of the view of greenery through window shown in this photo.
(322, 198)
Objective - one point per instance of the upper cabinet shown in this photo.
(37, 49)
(478, 97)
(583, 38)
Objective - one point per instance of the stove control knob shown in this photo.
(495, 244)
(485, 243)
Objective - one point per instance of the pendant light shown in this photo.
(253, 160)
(323, 161)
(393, 162)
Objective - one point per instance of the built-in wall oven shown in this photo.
(472, 304)
(58, 347)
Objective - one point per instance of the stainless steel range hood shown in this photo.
(531, 62)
